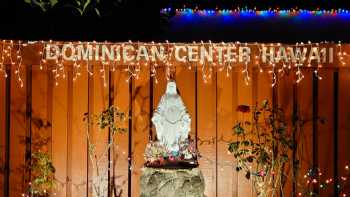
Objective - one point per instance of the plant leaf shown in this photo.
(238, 129)
(53, 2)
(245, 143)
(86, 4)
(97, 12)
(40, 4)
(233, 146)
(80, 11)
(265, 104)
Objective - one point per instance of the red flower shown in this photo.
(182, 157)
(171, 158)
(243, 108)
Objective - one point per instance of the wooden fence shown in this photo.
(42, 108)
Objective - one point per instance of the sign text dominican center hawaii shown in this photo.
(201, 53)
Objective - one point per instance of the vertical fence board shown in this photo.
(206, 131)
(130, 135)
(305, 136)
(344, 126)
(3, 132)
(79, 128)
(245, 94)
(285, 102)
(234, 98)
(335, 131)
(326, 129)
(29, 129)
(315, 130)
(90, 127)
(8, 130)
(18, 131)
(121, 139)
(59, 135)
(225, 124)
(141, 126)
(99, 137)
(41, 125)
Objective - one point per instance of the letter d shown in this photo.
(52, 55)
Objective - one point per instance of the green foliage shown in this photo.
(81, 6)
(263, 147)
(109, 120)
(44, 5)
(43, 173)
(39, 170)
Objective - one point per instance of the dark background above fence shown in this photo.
(141, 20)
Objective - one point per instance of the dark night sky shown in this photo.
(140, 20)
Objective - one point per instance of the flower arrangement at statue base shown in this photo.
(158, 156)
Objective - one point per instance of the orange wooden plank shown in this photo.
(245, 97)
(78, 136)
(18, 131)
(227, 178)
(121, 139)
(41, 110)
(206, 131)
(325, 132)
(2, 128)
(304, 152)
(344, 123)
(285, 101)
(41, 128)
(140, 131)
(234, 118)
(59, 135)
(99, 137)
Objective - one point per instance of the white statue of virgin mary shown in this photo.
(171, 120)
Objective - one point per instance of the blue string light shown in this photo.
(263, 13)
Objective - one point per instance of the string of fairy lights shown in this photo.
(314, 177)
(245, 11)
(12, 54)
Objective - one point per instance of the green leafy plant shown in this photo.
(108, 120)
(81, 6)
(39, 171)
(262, 147)
(43, 4)
(43, 173)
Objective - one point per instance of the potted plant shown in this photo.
(262, 147)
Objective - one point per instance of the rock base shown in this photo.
(156, 182)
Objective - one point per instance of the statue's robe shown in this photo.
(171, 120)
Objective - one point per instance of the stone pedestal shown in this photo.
(156, 182)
